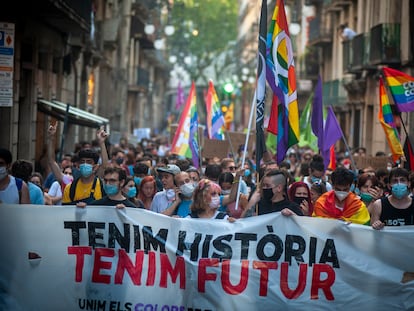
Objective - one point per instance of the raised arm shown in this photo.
(56, 170)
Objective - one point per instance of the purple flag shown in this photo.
(180, 97)
(332, 134)
(317, 115)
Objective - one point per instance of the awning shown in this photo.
(77, 116)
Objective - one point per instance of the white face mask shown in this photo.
(187, 189)
(225, 192)
(3, 172)
(215, 202)
(170, 194)
(341, 195)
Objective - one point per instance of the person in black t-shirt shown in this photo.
(272, 195)
(396, 209)
(114, 180)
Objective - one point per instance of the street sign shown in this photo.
(6, 64)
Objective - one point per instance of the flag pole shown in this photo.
(231, 146)
(349, 152)
(249, 127)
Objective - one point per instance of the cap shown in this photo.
(170, 168)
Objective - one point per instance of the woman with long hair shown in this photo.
(147, 190)
(299, 192)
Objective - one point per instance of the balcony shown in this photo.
(385, 44)
(318, 34)
(334, 93)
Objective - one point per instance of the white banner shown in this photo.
(101, 258)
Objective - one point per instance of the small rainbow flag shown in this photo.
(185, 142)
(386, 118)
(215, 119)
(401, 87)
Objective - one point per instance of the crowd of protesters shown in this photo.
(146, 175)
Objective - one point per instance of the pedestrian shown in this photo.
(271, 195)
(340, 203)
(396, 209)
(147, 191)
(299, 192)
(168, 199)
(23, 169)
(114, 180)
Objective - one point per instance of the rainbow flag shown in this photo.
(386, 118)
(280, 62)
(401, 87)
(185, 142)
(215, 119)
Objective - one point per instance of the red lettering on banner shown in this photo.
(225, 278)
(80, 252)
(167, 269)
(203, 276)
(99, 265)
(325, 284)
(264, 267)
(125, 263)
(284, 281)
(151, 269)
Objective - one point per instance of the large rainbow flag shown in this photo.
(185, 142)
(386, 118)
(280, 62)
(215, 118)
(401, 87)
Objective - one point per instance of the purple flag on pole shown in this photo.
(332, 134)
(317, 115)
(180, 97)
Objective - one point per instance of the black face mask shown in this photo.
(298, 200)
(268, 194)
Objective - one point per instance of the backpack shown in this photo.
(91, 197)
(19, 185)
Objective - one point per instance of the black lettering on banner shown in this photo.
(206, 246)
(192, 246)
(137, 238)
(226, 250)
(94, 235)
(329, 254)
(154, 241)
(245, 239)
(278, 245)
(115, 235)
(312, 251)
(75, 226)
(291, 251)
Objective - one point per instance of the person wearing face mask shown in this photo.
(206, 201)
(140, 171)
(271, 196)
(186, 189)
(396, 209)
(368, 189)
(340, 203)
(88, 187)
(167, 200)
(114, 180)
(227, 182)
(129, 190)
(12, 190)
(299, 193)
(316, 173)
(118, 159)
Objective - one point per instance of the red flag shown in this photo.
(272, 126)
(332, 160)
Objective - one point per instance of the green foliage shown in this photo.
(203, 30)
